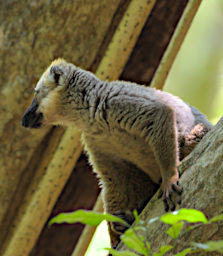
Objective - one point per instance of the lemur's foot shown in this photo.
(170, 194)
(127, 216)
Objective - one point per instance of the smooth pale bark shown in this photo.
(31, 36)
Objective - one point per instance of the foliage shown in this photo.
(86, 217)
(137, 243)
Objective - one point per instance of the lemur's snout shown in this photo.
(31, 119)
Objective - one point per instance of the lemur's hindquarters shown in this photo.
(131, 188)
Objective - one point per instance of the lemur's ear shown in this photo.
(56, 71)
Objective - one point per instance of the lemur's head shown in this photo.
(47, 105)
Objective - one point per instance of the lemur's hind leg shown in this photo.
(192, 139)
(163, 139)
(124, 188)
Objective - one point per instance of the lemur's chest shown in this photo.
(124, 146)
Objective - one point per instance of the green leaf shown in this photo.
(211, 246)
(120, 253)
(185, 252)
(148, 247)
(216, 218)
(86, 217)
(163, 250)
(190, 215)
(141, 228)
(175, 229)
(137, 219)
(134, 242)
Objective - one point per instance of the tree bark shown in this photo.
(81, 191)
(202, 182)
(153, 41)
(32, 35)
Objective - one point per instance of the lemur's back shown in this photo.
(124, 113)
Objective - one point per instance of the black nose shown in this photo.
(32, 119)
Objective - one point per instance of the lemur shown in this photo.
(134, 135)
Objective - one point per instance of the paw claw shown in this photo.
(166, 205)
(169, 192)
(179, 200)
(173, 208)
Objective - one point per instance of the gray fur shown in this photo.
(131, 133)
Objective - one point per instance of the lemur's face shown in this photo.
(47, 97)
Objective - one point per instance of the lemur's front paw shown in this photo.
(127, 216)
(170, 193)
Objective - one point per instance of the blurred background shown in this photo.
(197, 73)
(196, 76)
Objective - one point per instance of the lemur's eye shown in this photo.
(57, 72)
(56, 77)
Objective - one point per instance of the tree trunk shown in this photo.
(80, 191)
(202, 182)
(32, 34)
